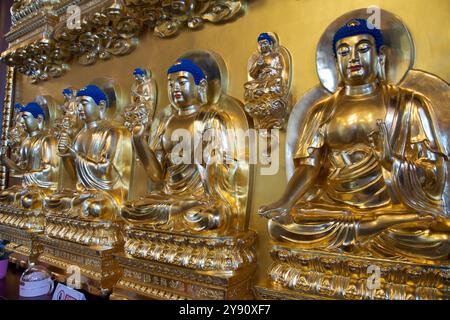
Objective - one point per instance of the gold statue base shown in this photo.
(21, 227)
(98, 270)
(24, 244)
(311, 274)
(163, 265)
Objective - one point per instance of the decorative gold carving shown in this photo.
(42, 42)
(39, 56)
(21, 218)
(90, 233)
(24, 244)
(168, 17)
(145, 279)
(327, 275)
(8, 103)
(200, 253)
(98, 270)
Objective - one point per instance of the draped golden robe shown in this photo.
(363, 190)
(38, 159)
(102, 164)
(207, 181)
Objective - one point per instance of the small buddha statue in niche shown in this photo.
(195, 196)
(370, 166)
(266, 95)
(37, 164)
(68, 122)
(143, 96)
(96, 156)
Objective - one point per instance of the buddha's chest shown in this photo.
(180, 134)
(31, 149)
(353, 122)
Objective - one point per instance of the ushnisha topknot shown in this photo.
(139, 72)
(67, 91)
(357, 27)
(265, 36)
(95, 93)
(188, 65)
(33, 107)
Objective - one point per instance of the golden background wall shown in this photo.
(299, 24)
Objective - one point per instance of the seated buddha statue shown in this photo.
(370, 169)
(96, 157)
(194, 195)
(37, 165)
(266, 95)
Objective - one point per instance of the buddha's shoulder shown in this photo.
(214, 115)
(403, 96)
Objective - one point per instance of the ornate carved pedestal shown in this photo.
(98, 270)
(308, 274)
(159, 265)
(22, 228)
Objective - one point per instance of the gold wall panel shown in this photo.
(299, 23)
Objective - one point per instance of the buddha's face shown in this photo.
(183, 92)
(357, 59)
(265, 46)
(88, 110)
(29, 123)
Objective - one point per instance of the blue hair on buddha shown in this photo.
(357, 27)
(18, 107)
(139, 72)
(67, 91)
(34, 108)
(95, 93)
(188, 66)
(265, 36)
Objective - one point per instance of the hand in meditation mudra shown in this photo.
(98, 156)
(369, 166)
(195, 193)
(37, 165)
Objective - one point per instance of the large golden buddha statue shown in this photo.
(194, 222)
(37, 167)
(368, 182)
(352, 144)
(98, 156)
(194, 196)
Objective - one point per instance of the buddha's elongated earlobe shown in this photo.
(203, 91)
(381, 65)
(102, 108)
(340, 82)
(40, 122)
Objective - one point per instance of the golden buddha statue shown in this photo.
(267, 93)
(37, 167)
(370, 166)
(194, 222)
(143, 100)
(194, 197)
(99, 156)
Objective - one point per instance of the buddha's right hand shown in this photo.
(274, 210)
(63, 143)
